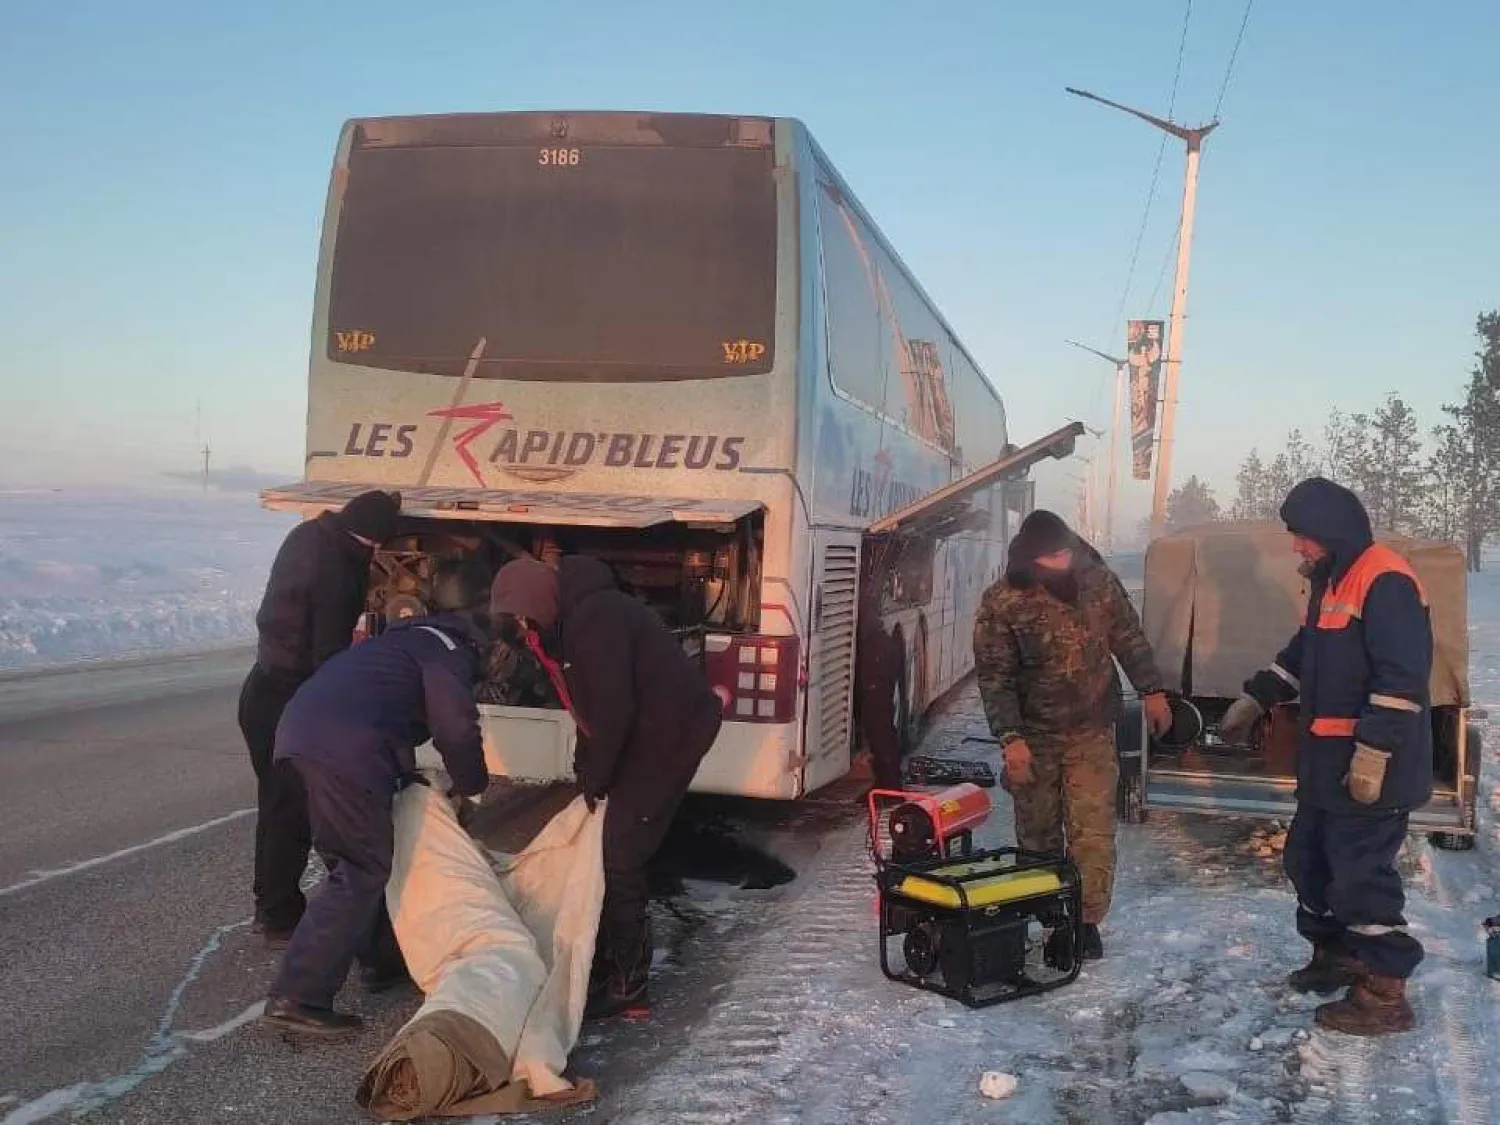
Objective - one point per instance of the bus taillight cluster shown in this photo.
(755, 677)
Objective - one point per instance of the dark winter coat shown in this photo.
(650, 713)
(363, 714)
(313, 598)
(1362, 661)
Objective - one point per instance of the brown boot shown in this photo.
(1374, 1006)
(1329, 970)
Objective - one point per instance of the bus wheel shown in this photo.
(901, 690)
(914, 684)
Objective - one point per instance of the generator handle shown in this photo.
(872, 833)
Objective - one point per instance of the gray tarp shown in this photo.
(1230, 594)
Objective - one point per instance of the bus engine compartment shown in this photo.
(702, 581)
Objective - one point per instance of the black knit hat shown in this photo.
(372, 515)
(1041, 533)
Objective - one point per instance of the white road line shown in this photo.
(39, 877)
(166, 1047)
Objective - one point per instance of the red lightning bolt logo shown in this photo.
(488, 414)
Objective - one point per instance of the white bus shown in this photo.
(676, 342)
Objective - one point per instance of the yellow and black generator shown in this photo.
(980, 927)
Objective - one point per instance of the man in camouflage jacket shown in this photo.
(1043, 647)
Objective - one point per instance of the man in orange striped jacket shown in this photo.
(1360, 666)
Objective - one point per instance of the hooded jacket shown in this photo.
(363, 714)
(1362, 661)
(646, 713)
(313, 599)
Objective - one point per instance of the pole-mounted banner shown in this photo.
(1143, 347)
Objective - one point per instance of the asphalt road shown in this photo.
(129, 976)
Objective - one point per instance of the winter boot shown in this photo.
(622, 991)
(1329, 970)
(285, 1014)
(1375, 1006)
(619, 999)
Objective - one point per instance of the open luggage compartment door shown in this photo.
(944, 512)
(1220, 601)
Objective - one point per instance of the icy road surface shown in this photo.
(770, 1007)
(1186, 1021)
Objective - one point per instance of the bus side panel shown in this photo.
(828, 732)
(896, 408)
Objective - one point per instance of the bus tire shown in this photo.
(904, 726)
(914, 689)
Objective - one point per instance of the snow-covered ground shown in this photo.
(86, 575)
(1186, 1022)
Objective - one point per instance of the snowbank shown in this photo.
(86, 575)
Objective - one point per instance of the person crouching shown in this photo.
(351, 733)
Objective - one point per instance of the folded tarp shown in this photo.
(503, 955)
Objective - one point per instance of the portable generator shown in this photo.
(979, 927)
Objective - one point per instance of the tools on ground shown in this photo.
(949, 771)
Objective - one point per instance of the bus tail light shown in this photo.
(755, 677)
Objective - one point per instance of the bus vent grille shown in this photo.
(836, 638)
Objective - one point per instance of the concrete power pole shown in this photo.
(1193, 139)
(1114, 441)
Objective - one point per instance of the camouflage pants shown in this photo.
(1070, 806)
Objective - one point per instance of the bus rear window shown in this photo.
(592, 263)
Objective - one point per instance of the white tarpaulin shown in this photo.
(503, 960)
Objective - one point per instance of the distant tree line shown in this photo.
(1446, 487)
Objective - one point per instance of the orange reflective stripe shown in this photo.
(1334, 728)
(1346, 601)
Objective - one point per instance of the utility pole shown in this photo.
(1114, 441)
(1086, 498)
(1193, 139)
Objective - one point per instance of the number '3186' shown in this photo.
(559, 157)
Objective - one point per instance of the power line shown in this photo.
(1161, 151)
(1233, 55)
(1166, 264)
(1218, 105)
(1140, 234)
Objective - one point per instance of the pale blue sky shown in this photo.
(165, 166)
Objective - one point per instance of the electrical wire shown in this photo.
(1161, 151)
(1140, 234)
(1233, 56)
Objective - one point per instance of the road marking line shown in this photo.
(39, 877)
(166, 1047)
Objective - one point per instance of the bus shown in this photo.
(676, 342)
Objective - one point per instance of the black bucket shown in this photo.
(1187, 725)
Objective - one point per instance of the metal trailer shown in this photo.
(1220, 601)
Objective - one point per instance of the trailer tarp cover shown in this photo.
(1221, 600)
